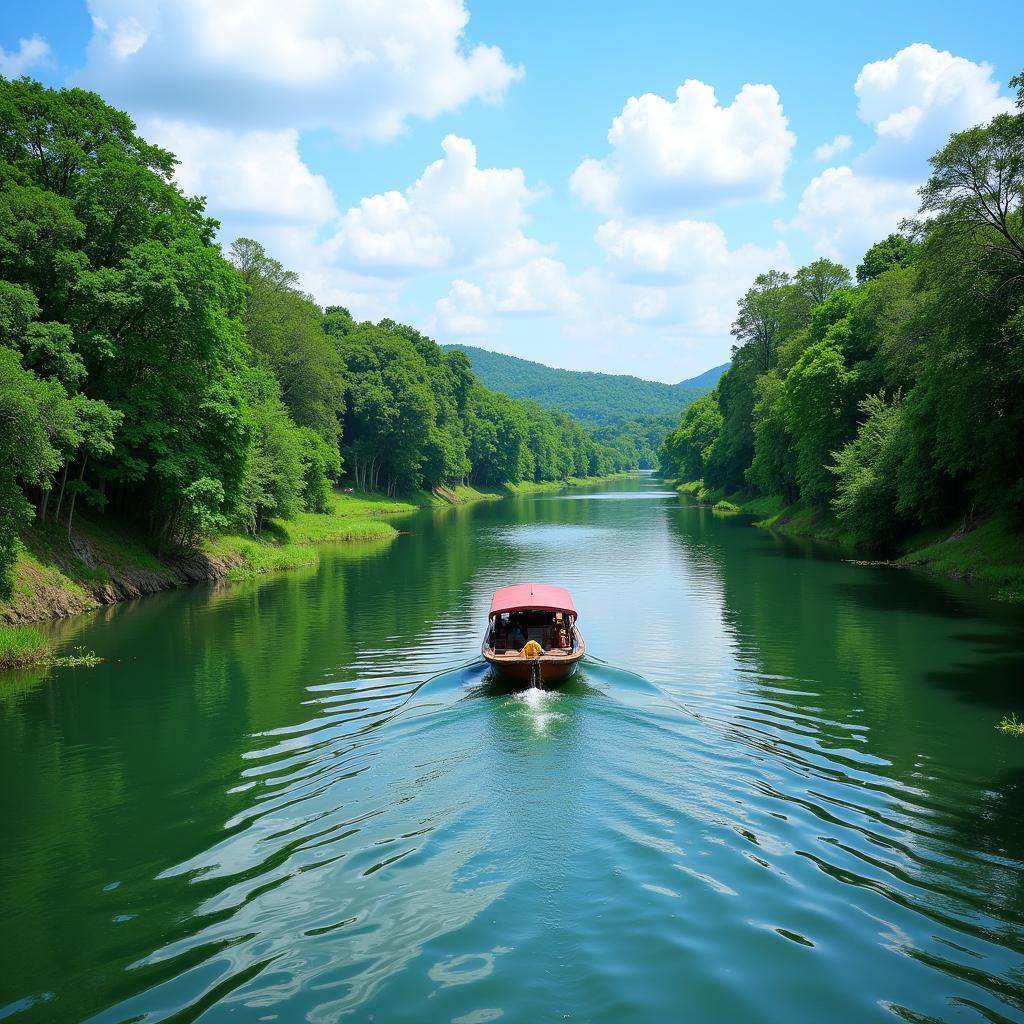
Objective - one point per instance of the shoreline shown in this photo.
(990, 552)
(57, 577)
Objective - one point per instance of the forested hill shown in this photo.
(596, 399)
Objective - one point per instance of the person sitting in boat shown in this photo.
(559, 633)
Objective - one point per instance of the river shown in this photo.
(774, 794)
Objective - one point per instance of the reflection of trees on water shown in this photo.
(904, 669)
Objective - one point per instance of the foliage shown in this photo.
(1011, 725)
(867, 467)
(893, 251)
(688, 447)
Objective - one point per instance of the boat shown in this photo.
(531, 635)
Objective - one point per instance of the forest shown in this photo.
(893, 402)
(627, 413)
(147, 376)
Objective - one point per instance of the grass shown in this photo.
(288, 544)
(803, 521)
(765, 506)
(727, 508)
(534, 487)
(22, 645)
(992, 552)
(1011, 725)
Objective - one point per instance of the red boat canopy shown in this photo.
(525, 597)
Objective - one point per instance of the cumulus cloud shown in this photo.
(916, 99)
(827, 150)
(30, 53)
(683, 273)
(690, 154)
(455, 215)
(257, 175)
(661, 305)
(651, 252)
(843, 212)
(540, 286)
(360, 68)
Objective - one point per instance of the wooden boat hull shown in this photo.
(553, 668)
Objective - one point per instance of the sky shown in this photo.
(592, 186)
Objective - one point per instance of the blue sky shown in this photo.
(588, 185)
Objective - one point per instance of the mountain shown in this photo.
(596, 399)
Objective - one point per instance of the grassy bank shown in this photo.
(58, 576)
(22, 645)
(991, 552)
(532, 487)
(99, 564)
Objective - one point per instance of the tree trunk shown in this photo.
(74, 495)
(60, 496)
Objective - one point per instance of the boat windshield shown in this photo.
(511, 631)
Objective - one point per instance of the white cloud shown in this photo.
(259, 175)
(539, 287)
(455, 215)
(689, 154)
(660, 307)
(915, 100)
(843, 212)
(647, 251)
(31, 52)
(683, 273)
(840, 144)
(360, 68)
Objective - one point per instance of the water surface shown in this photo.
(778, 795)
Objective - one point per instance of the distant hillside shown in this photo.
(596, 399)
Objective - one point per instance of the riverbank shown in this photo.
(59, 576)
(989, 551)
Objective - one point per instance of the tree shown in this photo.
(977, 185)
(818, 280)
(36, 421)
(760, 318)
(818, 406)
(892, 251)
(286, 329)
(773, 468)
(867, 470)
(686, 450)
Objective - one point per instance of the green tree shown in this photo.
(761, 317)
(893, 251)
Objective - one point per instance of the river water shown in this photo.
(778, 796)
